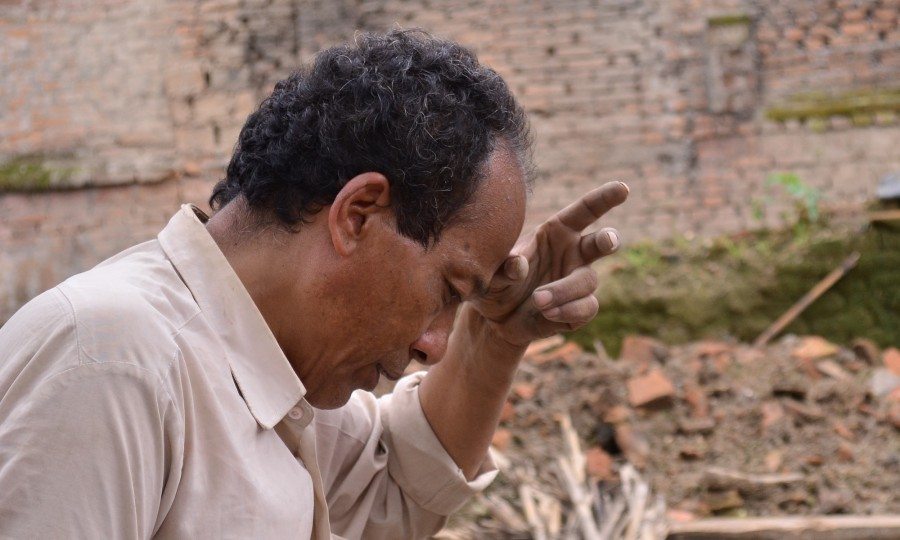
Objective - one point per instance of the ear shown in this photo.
(362, 198)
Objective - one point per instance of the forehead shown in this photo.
(486, 229)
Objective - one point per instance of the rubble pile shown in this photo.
(718, 429)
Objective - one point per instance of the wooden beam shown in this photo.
(881, 527)
(808, 298)
(884, 215)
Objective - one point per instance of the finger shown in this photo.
(590, 207)
(515, 267)
(598, 244)
(576, 312)
(580, 283)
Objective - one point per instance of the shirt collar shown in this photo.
(263, 374)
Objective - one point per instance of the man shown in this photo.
(201, 385)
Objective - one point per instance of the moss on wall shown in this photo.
(679, 291)
(32, 173)
(859, 105)
(728, 20)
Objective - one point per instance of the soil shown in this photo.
(802, 410)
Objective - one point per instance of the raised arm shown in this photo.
(546, 286)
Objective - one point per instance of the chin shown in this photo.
(329, 400)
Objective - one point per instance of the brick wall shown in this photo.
(112, 112)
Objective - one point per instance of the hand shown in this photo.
(547, 285)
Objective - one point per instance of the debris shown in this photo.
(723, 500)
(773, 460)
(696, 398)
(833, 370)
(815, 347)
(845, 452)
(891, 359)
(508, 412)
(643, 350)
(826, 283)
(841, 429)
(502, 438)
(809, 412)
(717, 478)
(865, 349)
(524, 390)
(599, 463)
(883, 382)
(633, 444)
(894, 415)
(879, 527)
(696, 425)
(654, 388)
(544, 345)
(617, 414)
(566, 354)
(772, 412)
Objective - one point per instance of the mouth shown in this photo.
(387, 374)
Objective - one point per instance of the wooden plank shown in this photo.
(884, 215)
(808, 298)
(881, 527)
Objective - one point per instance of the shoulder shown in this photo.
(128, 309)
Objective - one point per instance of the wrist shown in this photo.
(485, 352)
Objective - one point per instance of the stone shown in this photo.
(883, 382)
(833, 370)
(654, 388)
(723, 500)
(633, 444)
(696, 425)
(773, 460)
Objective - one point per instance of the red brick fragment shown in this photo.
(813, 459)
(617, 415)
(566, 354)
(508, 412)
(643, 351)
(501, 439)
(772, 412)
(652, 388)
(525, 390)
(599, 463)
(891, 359)
(845, 452)
(696, 398)
(841, 429)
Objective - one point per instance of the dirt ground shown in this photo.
(718, 429)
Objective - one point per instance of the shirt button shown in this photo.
(295, 414)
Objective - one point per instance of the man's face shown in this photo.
(400, 299)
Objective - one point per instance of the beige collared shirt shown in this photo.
(148, 398)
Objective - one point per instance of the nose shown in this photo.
(430, 347)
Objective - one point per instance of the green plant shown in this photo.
(806, 200)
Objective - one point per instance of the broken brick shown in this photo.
(525, 390)
(642, 351)
(845, 452)
(543, 345)
(633, 444)
(773, 460)
(680, 516)
(809, 412)
(696, 398)
(891, 359)
(772, 412)
(696, 425)
(508, 412)
(841, 429)
(813, 459)
(650, 389)
(599, 463)
(501, 439)
(566, 354)
(617, 414)
(814, 347)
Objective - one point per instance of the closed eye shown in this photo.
(453, 295)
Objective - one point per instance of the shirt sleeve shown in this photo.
(386, 475)
(83, 455)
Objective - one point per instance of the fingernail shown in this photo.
(543, 298)
(624, 185)
(613, 239)
(550, 313)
